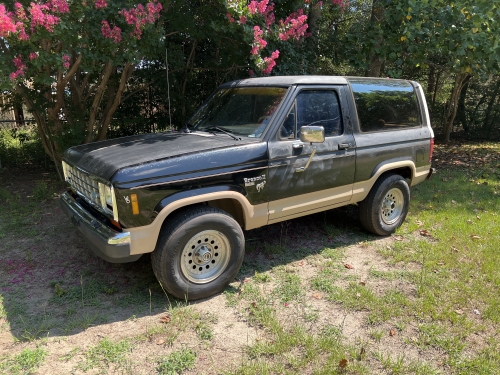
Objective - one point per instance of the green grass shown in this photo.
(25, 362)
(176, 363)
(106, 354)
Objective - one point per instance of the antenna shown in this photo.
(168, 91)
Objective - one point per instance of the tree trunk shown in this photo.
(488, 121)
(451, 112)
(375, 62)
(461, 116)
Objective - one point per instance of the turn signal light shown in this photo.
(135, 204)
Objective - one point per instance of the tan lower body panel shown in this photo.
(420, 175)
(143, 239)
(300, 205)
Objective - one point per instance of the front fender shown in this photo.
(143, 239)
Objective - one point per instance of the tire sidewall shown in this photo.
(176, 283)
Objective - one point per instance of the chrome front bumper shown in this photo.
(106, 242)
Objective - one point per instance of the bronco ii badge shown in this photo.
(251, 182)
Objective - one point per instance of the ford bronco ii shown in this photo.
(257, 152)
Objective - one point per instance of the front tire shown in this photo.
(386, 206)
(199, 253)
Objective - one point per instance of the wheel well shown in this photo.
(404, 172)
(231, 206)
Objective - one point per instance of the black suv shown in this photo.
(257, 152)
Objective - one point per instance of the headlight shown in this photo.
(108, 201)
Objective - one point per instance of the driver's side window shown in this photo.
(313, 107)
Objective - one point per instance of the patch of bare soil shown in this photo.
(57, 295)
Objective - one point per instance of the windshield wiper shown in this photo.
(224, 131)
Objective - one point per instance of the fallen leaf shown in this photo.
(165, 319)
(425, 232)
(254, 304)
(358, 295)
(477, 217)
(392, 332)
(469, 221)
(459, 311)
(476, 311)
(160, 342)
(362, 283)
(348, 266)
(475, 237)
(343, 363)
(398, 238)
(453, 202)
(419, 223)
(317, 295)
(454, 249)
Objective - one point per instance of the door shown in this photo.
(297, 188)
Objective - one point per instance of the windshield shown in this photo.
(242, 111)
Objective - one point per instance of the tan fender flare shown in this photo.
(143, 239)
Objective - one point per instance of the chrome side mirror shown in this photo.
(312, 134)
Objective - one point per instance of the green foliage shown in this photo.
(21, 146)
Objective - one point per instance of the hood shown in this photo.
(105, 158)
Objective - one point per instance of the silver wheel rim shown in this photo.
(392, 206)
(205, 256)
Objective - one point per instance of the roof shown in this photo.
(297, 80)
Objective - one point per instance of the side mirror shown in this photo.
(312, 134)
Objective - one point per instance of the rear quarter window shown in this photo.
(385, 105)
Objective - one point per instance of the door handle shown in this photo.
(344, 146)
(297, 145)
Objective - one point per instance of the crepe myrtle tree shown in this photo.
(265, 32)
(70, 60)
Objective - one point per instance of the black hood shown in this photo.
(104, 158)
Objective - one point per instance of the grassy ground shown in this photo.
(315, 295)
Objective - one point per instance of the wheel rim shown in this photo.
(205, 256)
(392, 206)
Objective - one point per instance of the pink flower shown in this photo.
(39, 17)
(22, 31)
(141, 16)
(251, 73)
(66, 61)
(18, 63)
(254, 50)
(33, 55)
(252, 7)
(7, 24)
(243, 20)
(20, 12)
(59, 6)
(99, 4)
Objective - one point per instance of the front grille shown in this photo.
(83, 184)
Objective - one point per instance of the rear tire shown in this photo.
(199, 253)
(386, 206)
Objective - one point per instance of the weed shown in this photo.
(104, 354)
(204, 332)
(289, 287)
(176, 363)
(25, 362)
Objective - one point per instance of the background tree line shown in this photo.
(87, 70)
